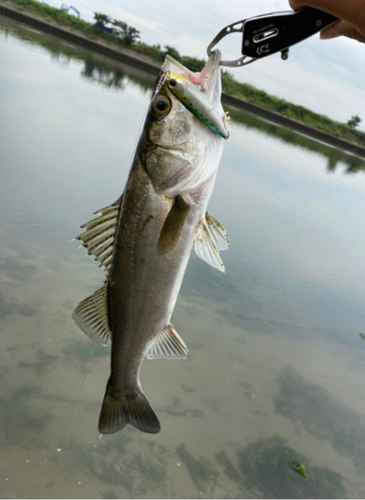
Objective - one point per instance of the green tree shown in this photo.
(354, 121)
(102, 18)
(172, 52)
(127, 34)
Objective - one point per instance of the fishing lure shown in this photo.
(194, 100)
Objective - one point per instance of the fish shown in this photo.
(145, 238)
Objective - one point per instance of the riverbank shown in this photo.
(140, 61)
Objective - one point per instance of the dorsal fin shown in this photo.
(99, 234)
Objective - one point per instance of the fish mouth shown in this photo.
(208, 80)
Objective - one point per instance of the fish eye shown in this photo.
(161, 105)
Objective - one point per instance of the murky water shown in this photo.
(275, 373)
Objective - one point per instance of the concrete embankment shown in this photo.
(137, 61)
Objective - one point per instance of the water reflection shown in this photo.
(335, 157)
(109, 78)
(114, 75)
(96, 69)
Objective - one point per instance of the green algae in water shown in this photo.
(267, 472)
(322, 415)
(298, 467)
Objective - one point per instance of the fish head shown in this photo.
(182, 152)
(169, 124)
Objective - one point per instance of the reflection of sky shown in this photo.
(296, 225)
(326, 76)
(69, 132)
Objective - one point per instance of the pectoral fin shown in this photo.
(168, 345)
(209, 239)
(173, 225)
(91, 316)
(99, 234)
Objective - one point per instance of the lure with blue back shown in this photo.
(194, 100)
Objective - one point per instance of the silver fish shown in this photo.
(144, 241)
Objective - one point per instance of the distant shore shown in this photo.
(145, 63)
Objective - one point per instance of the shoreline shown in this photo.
(144, 63)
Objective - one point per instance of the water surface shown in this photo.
(276, 365)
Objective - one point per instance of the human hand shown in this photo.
(350, 12)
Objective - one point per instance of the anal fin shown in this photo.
(168, 345)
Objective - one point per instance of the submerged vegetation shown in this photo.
(42, 362)
(229, 469)
(298, 467)
(115, 465)
(21, 422)
(200, 469)
(123, 36)
(267, 470)
(321, 415)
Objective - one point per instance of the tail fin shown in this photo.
(117, 413)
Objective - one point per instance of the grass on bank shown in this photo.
(231, 86)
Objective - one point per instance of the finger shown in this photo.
(352, 11)
(342, 28)
(295, 5)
